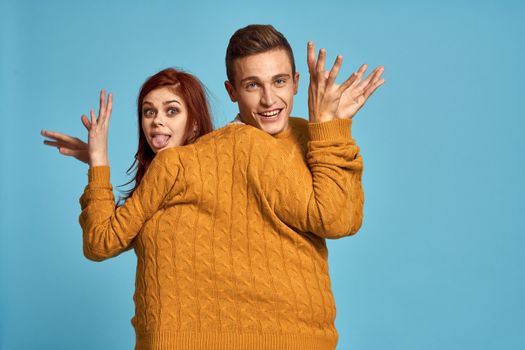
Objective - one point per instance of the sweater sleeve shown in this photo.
(109, 230)
(335, 208)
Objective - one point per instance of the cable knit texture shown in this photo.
(229, 234)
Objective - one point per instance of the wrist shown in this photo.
(98, 160)
(321, 118)
(337, 129)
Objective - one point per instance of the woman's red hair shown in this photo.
(192, 91)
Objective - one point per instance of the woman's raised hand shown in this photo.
(94, 152)
(98, 132)
(69, 145)
(323, 93)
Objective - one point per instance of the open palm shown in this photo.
(95, 151)
(358, 93)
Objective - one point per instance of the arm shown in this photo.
(335, 206)
(108, 230)
(351, 101)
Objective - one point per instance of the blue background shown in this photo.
(439, 261)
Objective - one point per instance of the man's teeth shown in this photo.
(270, 114)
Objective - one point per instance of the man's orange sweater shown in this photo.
(229, 234)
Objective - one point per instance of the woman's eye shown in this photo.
(148, 112)
(173, 111)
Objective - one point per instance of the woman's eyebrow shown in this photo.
(170, 101)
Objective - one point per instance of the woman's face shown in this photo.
(164, 119)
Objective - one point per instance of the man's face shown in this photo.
(264, 87)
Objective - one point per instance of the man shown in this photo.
(281, 290)
(262, 79)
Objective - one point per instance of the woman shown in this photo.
(184, 118)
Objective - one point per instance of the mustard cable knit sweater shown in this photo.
(229, 234)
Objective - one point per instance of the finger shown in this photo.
(310, 49)
(321, 62)
(360, 72)
(93, 118)
(368, 92)
(58, 136)
(364, 84)
(52, 143)
(77, 144)
(348, 82)
(109, 107)
(68, 152)
(376, 74)
(371, 80)
(373, 75)
(85, 121)
(335, 70)
(102, 106)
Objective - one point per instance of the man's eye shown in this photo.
(280, 81)
(251, 85)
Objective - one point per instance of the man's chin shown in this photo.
(269, 127)
(273, 128)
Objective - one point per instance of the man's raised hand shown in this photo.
(359, 91)
(323, 93)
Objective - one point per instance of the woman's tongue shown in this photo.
(160, 141)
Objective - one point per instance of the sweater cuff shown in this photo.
(332, 130)
(99, 176)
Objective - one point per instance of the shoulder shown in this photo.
(224, 142)
(233, 133)
(165, 162)
(298, 133)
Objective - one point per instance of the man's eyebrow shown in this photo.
(250, 78)
(281, 75)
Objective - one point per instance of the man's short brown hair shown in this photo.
(254, 39)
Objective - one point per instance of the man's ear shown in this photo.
(295, 83)
(231, 90)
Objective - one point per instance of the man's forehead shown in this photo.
(263, 65)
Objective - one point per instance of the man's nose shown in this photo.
(268, 97)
